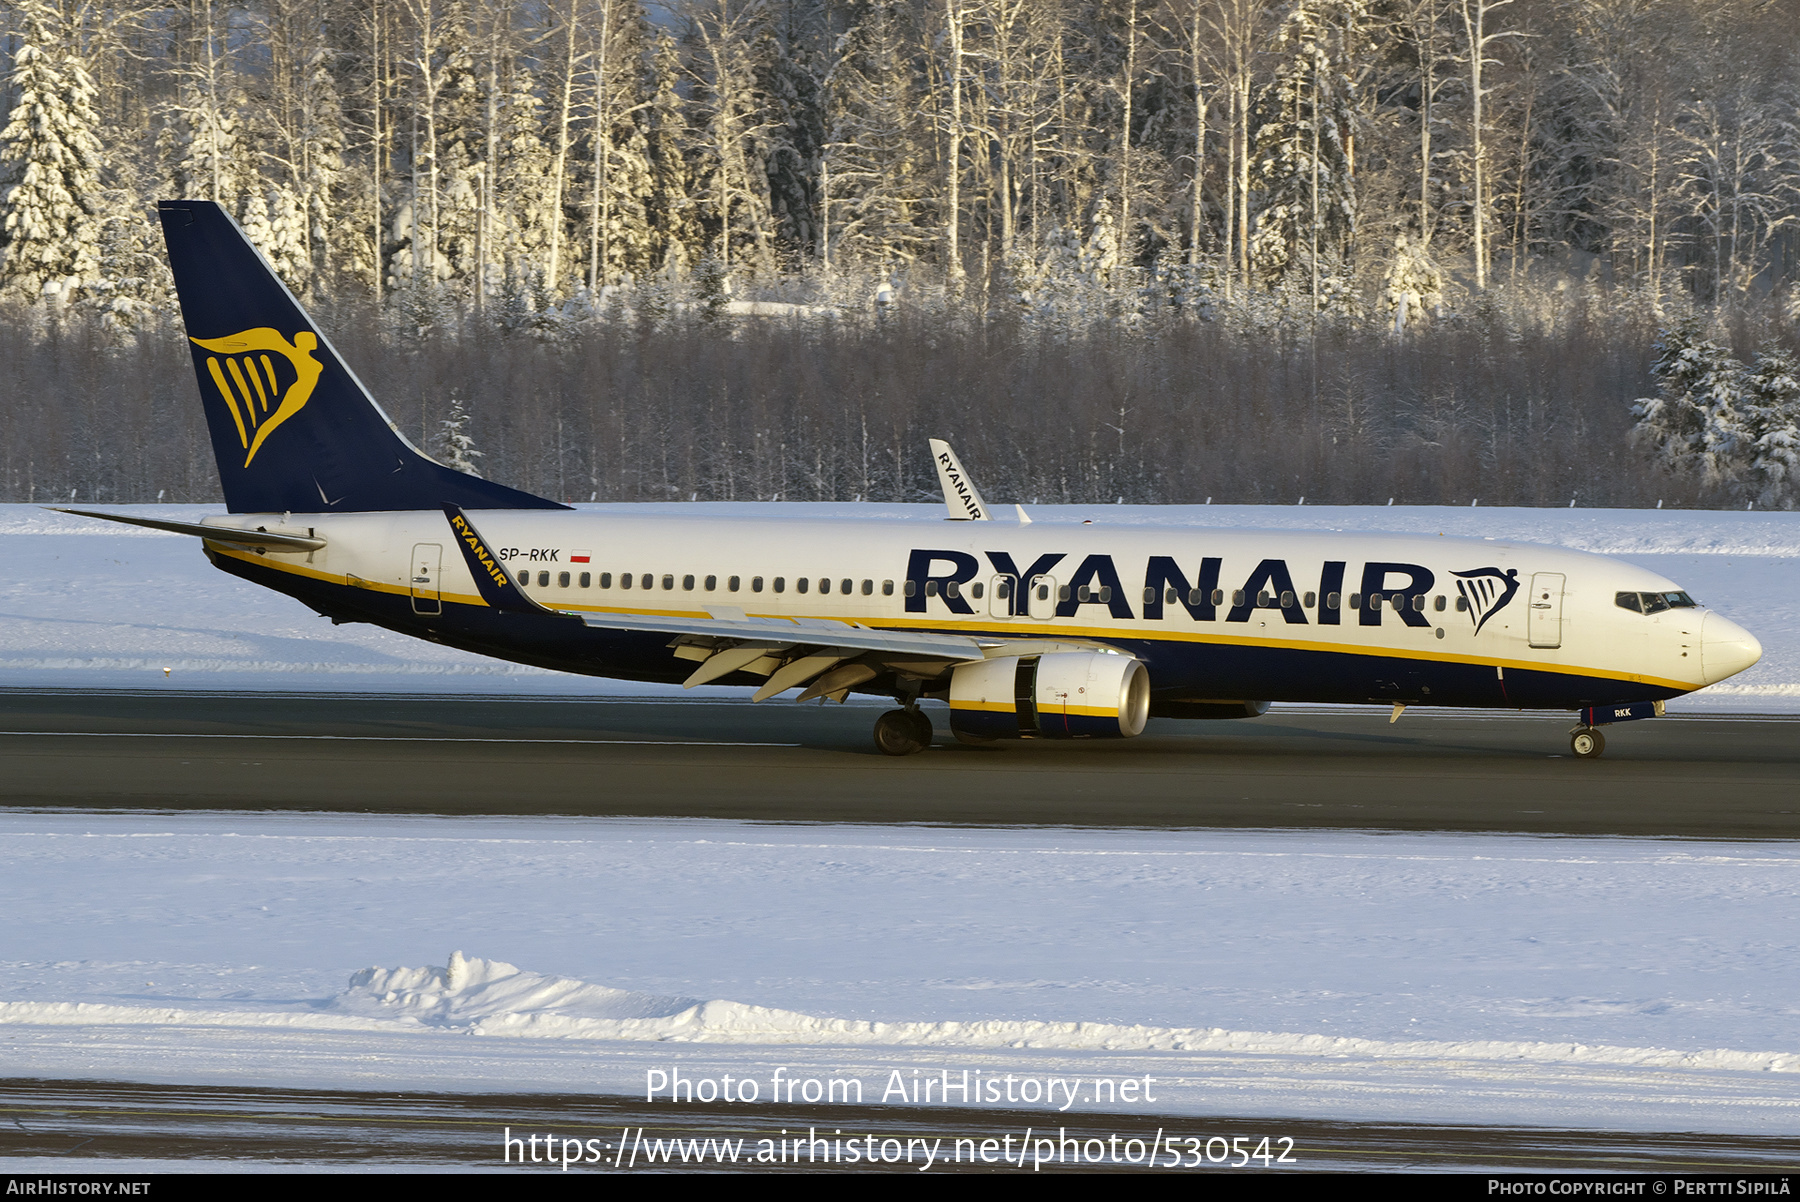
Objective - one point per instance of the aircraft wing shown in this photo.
(834, 656)
(798, 632)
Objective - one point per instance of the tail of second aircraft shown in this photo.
(292, 427)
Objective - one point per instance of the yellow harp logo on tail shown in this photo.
(260, 390)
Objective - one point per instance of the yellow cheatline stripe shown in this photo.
(1037, 631)
(995, 707)
(1040, 629)
(298, 569)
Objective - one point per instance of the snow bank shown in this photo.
(472, 996)
(1640, 983)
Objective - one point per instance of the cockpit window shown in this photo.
(1653, 603)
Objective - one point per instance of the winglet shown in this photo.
(961, 497)
(497, 588)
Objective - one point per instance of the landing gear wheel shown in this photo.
(922, 724)
(896, 733)
(1587, 744)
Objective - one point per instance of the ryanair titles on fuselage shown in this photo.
(946, 575)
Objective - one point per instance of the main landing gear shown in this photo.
(903, 732)
(1587, 743)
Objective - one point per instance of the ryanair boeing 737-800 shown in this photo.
(1033, 630)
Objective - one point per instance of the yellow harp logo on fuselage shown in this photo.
(250, 381)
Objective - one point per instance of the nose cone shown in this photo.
(1725, 649)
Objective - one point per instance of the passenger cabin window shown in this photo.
(668, 582)
(1462, 605)
(606, 580)
(624, 579)
(887, 588)
(781, 584)
(800, 585)
(587, 579)
(1438, 603)
(524, 577)
(687, 584)
(562, 580)
(1311, 600)
(731, 585)
(712, 583)
(1334, 600)
(868, 588)
(543, 580)
(847, 587)
(756, 584)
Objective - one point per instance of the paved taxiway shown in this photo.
(1710, 777)
(216, 1125)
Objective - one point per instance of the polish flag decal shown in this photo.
(578, 557)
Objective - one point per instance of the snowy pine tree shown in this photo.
(455, 446)
(133, 287)
(1774, 428)
(875, 190)
(49, 165)
(1414, 288)
(673, 221)
(1698, 421)
(1301, 158)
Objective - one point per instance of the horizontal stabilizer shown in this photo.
(266, 539)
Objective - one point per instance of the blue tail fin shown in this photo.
(293, 429)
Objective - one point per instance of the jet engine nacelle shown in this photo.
(1062, 695)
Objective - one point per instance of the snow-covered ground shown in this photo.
(86, 603)
(1628, 984)
(1634, 984)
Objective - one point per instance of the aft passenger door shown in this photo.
(426, 561)
(1543, 621)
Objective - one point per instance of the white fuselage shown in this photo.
(1199, 600)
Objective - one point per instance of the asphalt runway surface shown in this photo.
(1727, 777)
(95, 1122)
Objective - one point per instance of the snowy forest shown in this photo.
(1541, 252)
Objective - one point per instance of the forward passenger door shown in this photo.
(1543, 621)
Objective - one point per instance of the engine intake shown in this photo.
(1062, 695)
